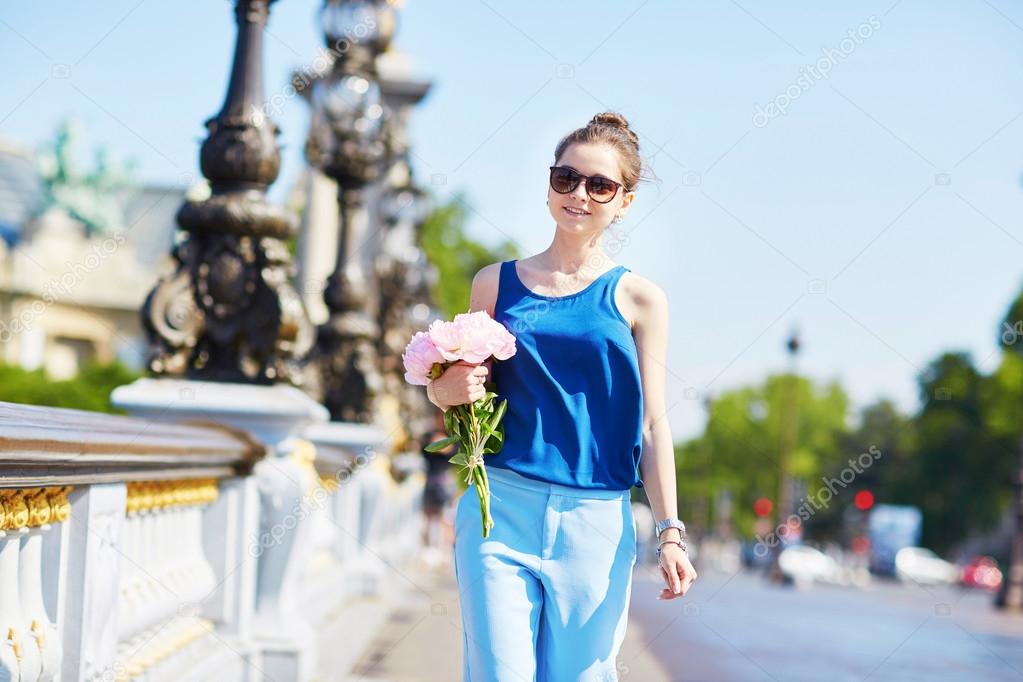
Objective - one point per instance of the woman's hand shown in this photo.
(678, 573)
(461, 383)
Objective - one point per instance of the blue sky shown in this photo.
(879, 214)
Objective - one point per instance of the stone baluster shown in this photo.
(20, 656)
(47, 507)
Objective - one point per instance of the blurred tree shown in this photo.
(890, 476)
(1004, 404)
(961, 468)
(90, 390)
(456, 256)
(738, 451)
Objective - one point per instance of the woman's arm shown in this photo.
(657, 465)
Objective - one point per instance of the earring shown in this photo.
(616, 219)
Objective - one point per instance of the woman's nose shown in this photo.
(580, 190)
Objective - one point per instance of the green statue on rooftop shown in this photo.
(94, 197)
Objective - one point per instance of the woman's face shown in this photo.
(588, 159)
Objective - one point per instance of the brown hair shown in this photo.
(610, 128)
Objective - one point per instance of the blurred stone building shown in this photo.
(78, 255)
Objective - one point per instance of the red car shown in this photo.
(982, 571)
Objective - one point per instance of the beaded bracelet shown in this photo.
(681, 544)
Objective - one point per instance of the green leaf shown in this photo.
(500, 413)
(439, 445)
(495, 419)
(453, 420)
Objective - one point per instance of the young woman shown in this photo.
(546, 596)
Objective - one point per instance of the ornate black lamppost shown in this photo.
(789, 437)
(348, 142)
(229, 313)
(403, 277)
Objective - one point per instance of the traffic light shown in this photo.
(864, 500)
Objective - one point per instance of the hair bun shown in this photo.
(611, 129)
(615, 120)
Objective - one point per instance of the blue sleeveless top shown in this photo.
(575, 402)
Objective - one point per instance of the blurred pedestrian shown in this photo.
(438, 494)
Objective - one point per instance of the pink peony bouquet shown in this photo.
(476, 428)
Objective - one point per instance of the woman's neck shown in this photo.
(568, 254)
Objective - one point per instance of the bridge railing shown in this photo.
(138, 549)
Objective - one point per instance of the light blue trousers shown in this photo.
(546, 597)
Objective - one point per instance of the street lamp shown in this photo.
(789, 436)
(400, 270)
(348, 142)
(229, 311)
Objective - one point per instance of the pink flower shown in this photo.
(503, 343)
(419, 358)
(472, 337)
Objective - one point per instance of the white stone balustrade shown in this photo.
(218, 533)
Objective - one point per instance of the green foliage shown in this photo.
(967, 436)
(90, 390)
(955, 459)
(739, 450)
(456, 256)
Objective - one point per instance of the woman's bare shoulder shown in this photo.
(484, 288)
(644, 289)
(638, 297)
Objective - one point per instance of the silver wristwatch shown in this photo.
(670, 523)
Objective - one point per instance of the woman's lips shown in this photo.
(581, 214)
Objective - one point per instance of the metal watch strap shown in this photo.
(664, 524)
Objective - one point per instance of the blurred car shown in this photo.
(890, 528)
(754, 554)
(982, 572)
(921, 565)
(804, 565)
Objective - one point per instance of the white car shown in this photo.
(805, 565)
(921, 565)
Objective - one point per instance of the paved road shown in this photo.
(420, 638)
(738, 627)
(733, 627)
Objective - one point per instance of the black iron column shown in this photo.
(348, 143)
(229, 313)
(404, 278)
(789, 440)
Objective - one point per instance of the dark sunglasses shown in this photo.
(600, 189)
